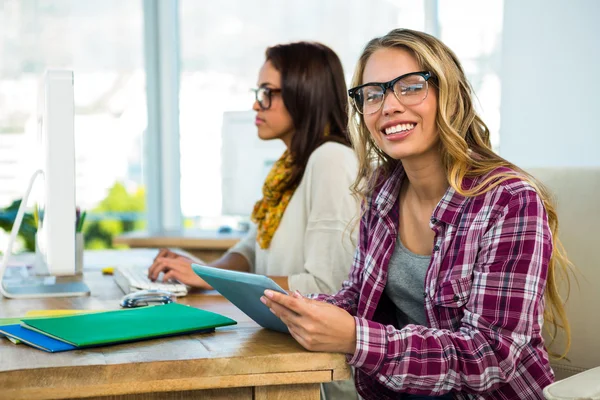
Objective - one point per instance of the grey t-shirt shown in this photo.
(405, 285)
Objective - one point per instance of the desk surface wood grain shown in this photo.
(231, 358)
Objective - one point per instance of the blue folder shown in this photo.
(244, 291)
(35, 339)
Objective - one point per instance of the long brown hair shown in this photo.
(314, 93)
(462, 135)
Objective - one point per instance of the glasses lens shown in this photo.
(357, 100)
(262, 97)
(368, 99)
(411, 90)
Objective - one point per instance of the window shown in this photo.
(473, 30)
(102, 42)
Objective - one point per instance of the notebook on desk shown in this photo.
(128, 325)
(35, 339)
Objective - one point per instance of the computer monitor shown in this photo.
(56, 134)
(245, 162)
(55, 239)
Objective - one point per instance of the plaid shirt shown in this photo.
(483, 291)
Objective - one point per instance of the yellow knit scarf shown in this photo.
(268, 211)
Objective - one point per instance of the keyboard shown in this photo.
(131, 279)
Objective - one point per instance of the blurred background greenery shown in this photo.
(120, 212)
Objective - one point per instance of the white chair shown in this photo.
(577, 192)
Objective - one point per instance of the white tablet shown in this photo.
(244, 290)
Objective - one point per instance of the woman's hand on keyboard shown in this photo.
(177, 267)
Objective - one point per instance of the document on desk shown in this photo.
(35, 339)
(8, 321)
(128, 325)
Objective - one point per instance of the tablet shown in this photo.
(244, 290)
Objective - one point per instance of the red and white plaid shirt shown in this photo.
(484, 298)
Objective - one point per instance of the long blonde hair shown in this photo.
(462, 134)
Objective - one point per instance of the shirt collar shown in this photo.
(387, 194)
(450, 207)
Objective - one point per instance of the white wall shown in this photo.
(550, 108)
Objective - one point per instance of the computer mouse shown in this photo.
(148, 297)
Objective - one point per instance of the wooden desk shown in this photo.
(240, 362)
(204, 244)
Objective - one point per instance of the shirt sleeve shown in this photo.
(504, 311)
(247, 247)
(347, 297)
(329, 241)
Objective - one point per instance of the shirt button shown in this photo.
(424, 294)
(434, 220)
(455, 298)
(436, 247)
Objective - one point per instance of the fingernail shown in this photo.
(269, 294)
(263, 299)
(297, 294)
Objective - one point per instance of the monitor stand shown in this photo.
(31, 282)
(28, 278)
(23, 283)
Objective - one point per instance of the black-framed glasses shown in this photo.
(263, 96)
(410, 89)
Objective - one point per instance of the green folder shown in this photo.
(17, 320)
(127, 325)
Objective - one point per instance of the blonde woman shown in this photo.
(457, 257)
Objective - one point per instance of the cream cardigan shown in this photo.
(316, 238)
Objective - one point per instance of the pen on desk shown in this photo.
(80, 222)
(36, 216)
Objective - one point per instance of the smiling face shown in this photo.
(274, 122)
(402, 132)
